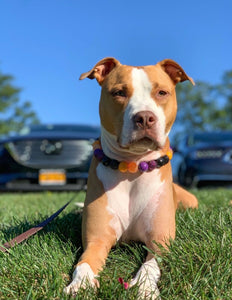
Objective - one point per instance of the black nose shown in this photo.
(144, 119)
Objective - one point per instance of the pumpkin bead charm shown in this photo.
(132, 167)
(170, 154)
(123, 167)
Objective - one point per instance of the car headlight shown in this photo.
(201, 154)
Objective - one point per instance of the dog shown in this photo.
(130, 191)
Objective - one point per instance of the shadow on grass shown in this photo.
(67, 228)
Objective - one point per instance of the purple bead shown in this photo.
(143, 166)
(99, 154)
(152, 165)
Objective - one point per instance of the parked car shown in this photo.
(204, 158)
(47, 157)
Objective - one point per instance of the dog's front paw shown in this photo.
(83, 276)
(71, 289)
(148, 290)
(147, 278)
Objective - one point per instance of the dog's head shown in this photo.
(138, 104)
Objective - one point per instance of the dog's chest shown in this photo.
(130, 197)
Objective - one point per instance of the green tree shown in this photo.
(224, 92)
(13, 114)
(204, 107)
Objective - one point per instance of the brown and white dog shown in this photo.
(137, 109)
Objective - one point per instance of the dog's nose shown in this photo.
(144, 119)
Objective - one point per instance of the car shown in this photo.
(47, 157)
(204, 158)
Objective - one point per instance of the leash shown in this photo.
(25, 235)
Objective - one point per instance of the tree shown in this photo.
(13, 114)
(224, 92)
(204, 107)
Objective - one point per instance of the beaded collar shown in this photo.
(131, 167)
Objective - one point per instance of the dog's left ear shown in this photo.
(101, 69)
(176, 73)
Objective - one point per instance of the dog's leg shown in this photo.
(161, 230)
(97, 235)
(184, 199)
(98, 240)
(147, 278)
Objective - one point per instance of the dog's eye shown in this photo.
(118, 93)
(162, 93)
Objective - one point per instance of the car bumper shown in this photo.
(221, 178)
(193, 172)
(75, 181)
(16, 187)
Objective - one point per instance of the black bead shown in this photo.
(162, 160)
(106, 160)
(114, 164)
(166, 159)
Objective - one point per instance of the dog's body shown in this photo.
(137, 109)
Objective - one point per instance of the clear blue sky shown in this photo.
(47, 44)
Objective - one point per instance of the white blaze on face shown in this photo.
(141, 100)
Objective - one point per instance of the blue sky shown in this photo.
(46, 45)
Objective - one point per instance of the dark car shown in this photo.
(205, 158)
(47, 157)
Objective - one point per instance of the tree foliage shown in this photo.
(13, 113)
(204, 106)
(225, 92)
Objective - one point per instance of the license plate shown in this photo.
(52, 177)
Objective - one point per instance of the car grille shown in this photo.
(51, 153)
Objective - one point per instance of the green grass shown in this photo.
(198, 266)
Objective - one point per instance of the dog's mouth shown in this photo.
(140, 144)
(147, 142)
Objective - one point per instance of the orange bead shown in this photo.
(132, 167)
(123, 166)
(96, 144)
(169, 154)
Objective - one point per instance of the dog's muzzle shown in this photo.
(143, 134)
(144, 120)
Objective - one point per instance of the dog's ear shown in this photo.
(101, 69)
(176, 73)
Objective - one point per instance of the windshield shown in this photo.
(212, 138)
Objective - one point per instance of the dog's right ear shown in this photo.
(176, 73)
(101, 69)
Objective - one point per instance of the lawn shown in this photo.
(198, 266)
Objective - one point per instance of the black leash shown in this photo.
(25, 235)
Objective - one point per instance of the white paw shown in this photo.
(147, 278)
(83, 276)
